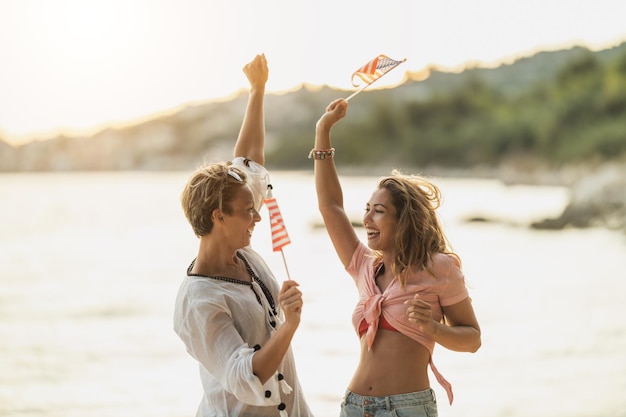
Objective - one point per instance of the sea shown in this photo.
(90, 264)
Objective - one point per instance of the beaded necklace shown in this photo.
(266, 292)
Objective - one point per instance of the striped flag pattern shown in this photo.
(280, 237)
(375, 69)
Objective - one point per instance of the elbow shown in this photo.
(476, 343)
(262, 377)
(474, 348)
(471, 341)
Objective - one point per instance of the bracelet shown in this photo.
(319, 154)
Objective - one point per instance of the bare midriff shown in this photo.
(394, 365)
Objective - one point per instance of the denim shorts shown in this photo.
(413, 404)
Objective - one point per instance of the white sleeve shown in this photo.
(214, 341)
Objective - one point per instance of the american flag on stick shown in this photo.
(373, 70)
(280, 238)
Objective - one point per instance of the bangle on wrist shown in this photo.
(319, 154)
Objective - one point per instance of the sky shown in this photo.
(76, 66)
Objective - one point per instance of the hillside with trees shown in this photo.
(574, 114)
(551, 118)
(550, 110)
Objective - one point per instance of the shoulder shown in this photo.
(362, 258)
(201, 289)
(361, 254)
(201, 297)
(446, 265)
(453, 288)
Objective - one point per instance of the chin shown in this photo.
(372, 245)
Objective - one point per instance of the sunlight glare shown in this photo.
(76, 66)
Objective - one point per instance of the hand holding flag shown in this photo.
(373, 70)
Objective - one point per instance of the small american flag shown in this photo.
(375, 69)
(280, 237)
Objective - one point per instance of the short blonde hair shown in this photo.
(210, 187)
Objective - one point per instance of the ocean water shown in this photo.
(90, 264)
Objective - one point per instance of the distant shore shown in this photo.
(597, 194)
(597, 191)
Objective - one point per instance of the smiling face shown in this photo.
(380, 221)
(241, 217)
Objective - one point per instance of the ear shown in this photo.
(217, 216)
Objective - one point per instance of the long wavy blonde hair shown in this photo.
(419, 235)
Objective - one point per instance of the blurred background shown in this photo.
(517, 111)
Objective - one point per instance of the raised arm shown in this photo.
(329, 193)
(251, 140)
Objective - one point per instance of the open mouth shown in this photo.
(371, 233)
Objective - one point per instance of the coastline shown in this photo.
(597, 190)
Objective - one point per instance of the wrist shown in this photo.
(320, 154)
(322, 127)
(432, 331)
(257, 89)
(290, 326)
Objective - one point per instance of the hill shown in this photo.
(554, 117)
(551, 110)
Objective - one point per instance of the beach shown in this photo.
(90, 264)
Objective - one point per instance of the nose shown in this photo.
(257, 216)
(367, 216)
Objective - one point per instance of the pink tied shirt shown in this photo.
(447, 287)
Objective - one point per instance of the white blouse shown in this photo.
(222, 322)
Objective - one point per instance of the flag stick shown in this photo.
(376, 79)
(359, 90)
(285, 262)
